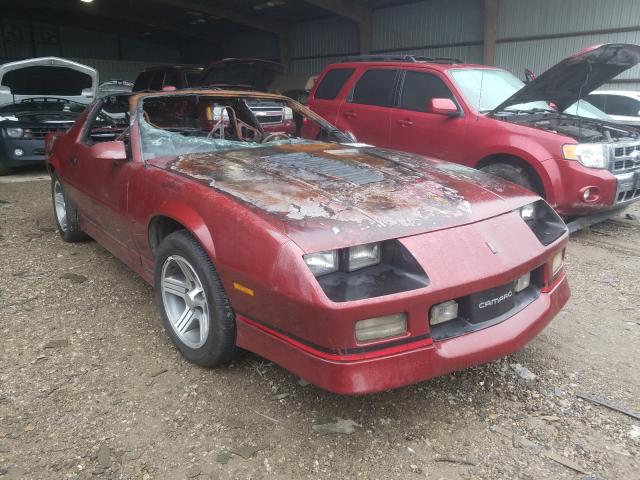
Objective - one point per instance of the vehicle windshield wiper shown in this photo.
(519, 111)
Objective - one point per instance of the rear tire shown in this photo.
(513, 173)
(65, 213)
(195, 309)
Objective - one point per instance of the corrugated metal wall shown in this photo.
(572, 26)
(444, 28)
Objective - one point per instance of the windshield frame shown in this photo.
(139, 99)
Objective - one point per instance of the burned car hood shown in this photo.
(327, 195)
(243, 73)
(574, 77)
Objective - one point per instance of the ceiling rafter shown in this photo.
(247, 20)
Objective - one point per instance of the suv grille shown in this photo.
(268, 115)
(41, 132)
(625, 165)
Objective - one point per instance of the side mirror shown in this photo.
(114, 150)
(443, 106)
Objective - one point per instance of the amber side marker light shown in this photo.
(243, 289)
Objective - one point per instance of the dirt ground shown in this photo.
(91, 387)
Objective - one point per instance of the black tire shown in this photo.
(220, 346)
(5, 169)
(71, 231)
(513, 173)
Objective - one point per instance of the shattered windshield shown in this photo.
(172, 125)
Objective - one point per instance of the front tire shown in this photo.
(194, 307)
(513, 173)
(65, 213)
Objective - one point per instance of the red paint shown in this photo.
(471, 139)
(289, 319)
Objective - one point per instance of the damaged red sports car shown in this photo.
(359, 269)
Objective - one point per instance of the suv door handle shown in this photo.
(405, 123)
(350, 114)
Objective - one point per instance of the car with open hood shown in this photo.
(357, 268)
(538, 135)
(39, 96)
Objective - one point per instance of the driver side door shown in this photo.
(102, 185)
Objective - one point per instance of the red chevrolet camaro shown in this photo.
(357, 268)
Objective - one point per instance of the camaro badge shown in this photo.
(493, 249)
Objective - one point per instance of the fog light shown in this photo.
(556, 263)
(443, 312)
(18, 152)
(586, 194)
(523, 282)
(381, 327)
(528, 212)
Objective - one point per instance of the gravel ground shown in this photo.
(91, 387)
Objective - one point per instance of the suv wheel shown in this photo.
(513, 173)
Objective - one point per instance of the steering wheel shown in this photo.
(272, 136)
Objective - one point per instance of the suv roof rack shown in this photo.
(401, 58)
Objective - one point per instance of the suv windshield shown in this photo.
(485, 89)
(172, 125)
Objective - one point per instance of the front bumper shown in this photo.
(32, 148)
(608, 191)
(424, 360)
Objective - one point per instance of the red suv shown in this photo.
(539, 135)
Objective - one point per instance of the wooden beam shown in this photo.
(359, 14)
(490, 31)
(259, 23)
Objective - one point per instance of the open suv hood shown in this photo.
(574, 77)
(47, 77)
(251, 73)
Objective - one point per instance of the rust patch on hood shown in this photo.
(333, 189)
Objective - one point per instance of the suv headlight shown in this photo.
(592, 155)
(15, 132)
(543, 220)
(288, 113)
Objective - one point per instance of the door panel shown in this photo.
(415, 130)
(366, 112)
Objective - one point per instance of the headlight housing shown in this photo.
(15, 132)
(288, 113)
(322, 263)
(543, 220)
(347, 259)
(591, 155)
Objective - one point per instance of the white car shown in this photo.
(622, 105)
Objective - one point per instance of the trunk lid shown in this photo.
(244, 73)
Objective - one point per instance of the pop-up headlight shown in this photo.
(322, 263)
(363, 256)
(544, 222)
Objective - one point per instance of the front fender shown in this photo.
(190, 218)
